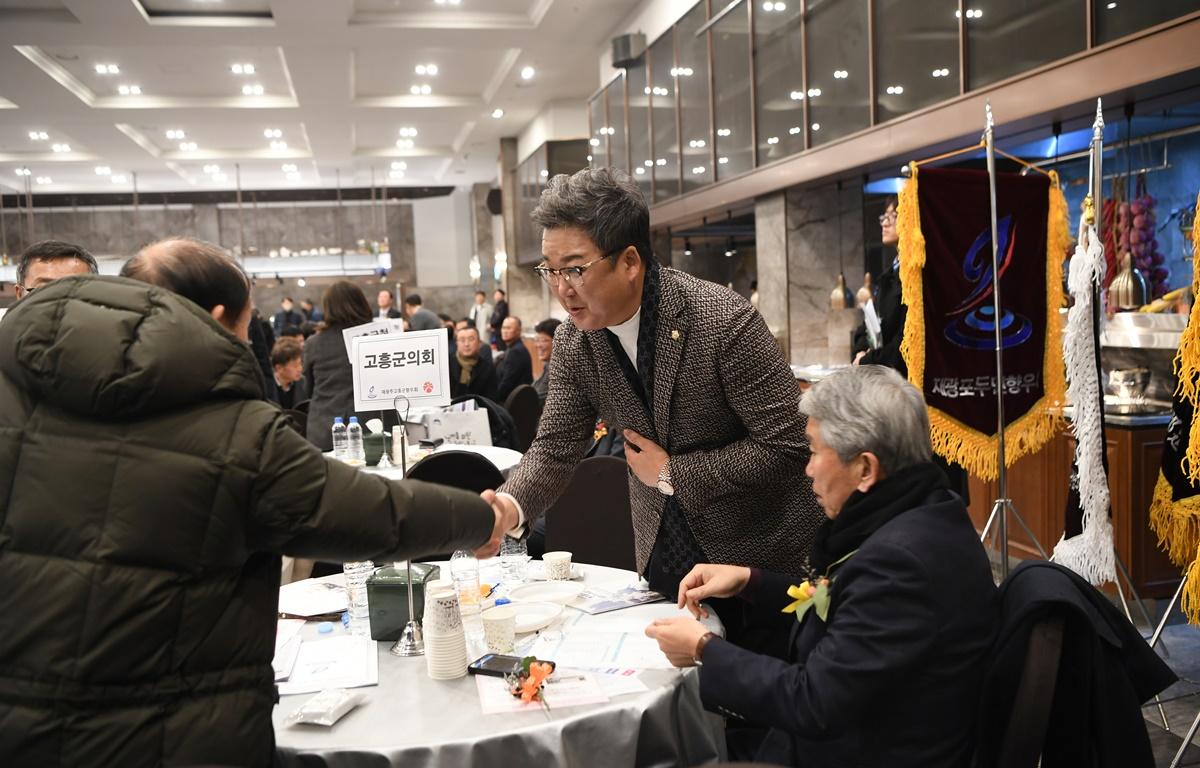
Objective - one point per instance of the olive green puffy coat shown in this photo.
(146, 494)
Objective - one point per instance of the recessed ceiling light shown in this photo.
(420, 90)
(61, 148)
(118, 178)
(699, 169)
(242, 69)
(527, 73)
(272, 133)
(408, 132)
(129, 90)
(794, 130)
(397, 174)
(252, 90)
(103, 170)
(212, 168)
(447, 2)
(107, 69)
(399, 165)
(497, 113)
(289, 168)
(44, 180)
(404, 144)
(1110, 6)
(293, 176)
(814, 93)
(895, 90)
(24, 172)
(639, 170)
(39, 136)
(220, 177)
(772, 139)
(722, 160)
(724, 131)
(840, 74)
(426, 69)
(278, 146)
(174, 134)
(816, 126)
(187, 146)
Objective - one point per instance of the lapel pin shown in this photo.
(675, 335)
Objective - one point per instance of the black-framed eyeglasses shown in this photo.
(574, 275)
(888, 218)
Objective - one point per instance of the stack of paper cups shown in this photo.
(445, 641)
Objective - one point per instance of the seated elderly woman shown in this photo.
(886, 658)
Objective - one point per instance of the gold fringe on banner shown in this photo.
(1187, 359)
(1177, 525)
(953, 440)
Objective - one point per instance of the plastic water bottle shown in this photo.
(355, 454)
(339, 439)
(464, 569)
(514, 557)
(356, 595)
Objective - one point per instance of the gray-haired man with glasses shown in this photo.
(689, 372)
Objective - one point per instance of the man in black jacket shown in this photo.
(499, 312)
(515, 367)
(471, 373)
(887, 660)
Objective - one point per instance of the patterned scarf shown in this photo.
(468, 366)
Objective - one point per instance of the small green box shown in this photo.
(387, 597)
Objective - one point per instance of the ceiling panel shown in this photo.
(207, 7)
(423, 6)
(240, 137)
(174, 71)
(393, 71)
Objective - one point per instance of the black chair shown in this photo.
(525, 407)
(457, 469)
(1025, 732)
(592, 519)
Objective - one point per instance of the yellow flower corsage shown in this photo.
(601, 430)
(808, 595)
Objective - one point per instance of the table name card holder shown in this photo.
(412, 639)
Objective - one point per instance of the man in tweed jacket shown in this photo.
(690, 373)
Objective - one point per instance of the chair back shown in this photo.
(525, 407)
(298, 420)
(1025, 733)
(457, 469)
(592, 518)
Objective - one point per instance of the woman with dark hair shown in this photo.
(146, 517)
(327, 368)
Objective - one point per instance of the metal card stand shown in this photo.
(412, 639)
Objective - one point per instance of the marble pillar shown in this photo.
(528, 298)
(485, 241)
(824, 235)
(771, 246)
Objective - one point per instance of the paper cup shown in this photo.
(557, 565)
(500, 628)
(441, 613)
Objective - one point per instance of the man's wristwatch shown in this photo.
(664, 480)
(698, 654)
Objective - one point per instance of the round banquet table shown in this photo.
(413, 721)
(505, 459)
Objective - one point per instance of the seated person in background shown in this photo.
(141, 567)
(43, 263)
(287, 362)
(543, 342)
(886, 663)
(471, 373)
(515, 367)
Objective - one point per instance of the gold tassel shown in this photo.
(911, 251)
(1187, 359)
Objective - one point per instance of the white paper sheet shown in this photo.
(564, 688)
(589, 650)
(345, 661)
(287, 647)
(311, 597)
(594, 600)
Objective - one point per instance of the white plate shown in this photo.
(531, 616)
(561, 592)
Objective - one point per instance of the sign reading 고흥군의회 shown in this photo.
(412, 364)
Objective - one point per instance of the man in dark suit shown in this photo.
(386, 302)
(287, 316)
(471, 373)
(886, 662)
(515, 366)
(689, 373)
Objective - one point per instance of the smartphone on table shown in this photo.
(497, 665)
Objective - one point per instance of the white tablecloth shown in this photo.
(505, 459)
(412, 721)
